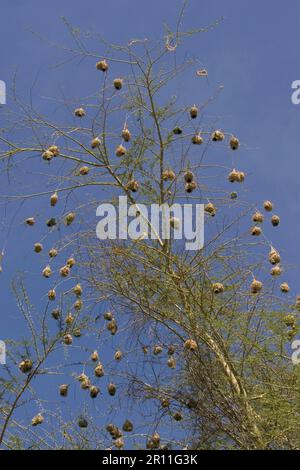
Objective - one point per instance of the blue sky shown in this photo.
(253, 53)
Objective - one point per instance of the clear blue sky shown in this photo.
(254, 53)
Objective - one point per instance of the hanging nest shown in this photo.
(284, 287)
(118, 83)
(190, 187)
(275, 220)
(77, 333)
(94, 356)
(210, 209)
(168, 175)
(79, 112)
(127, 426)
(276, 271)
(55, 314)
(82, 378)
(126, 135)
(165, 403)
(51, 294)
(188, 176)
(77, 290)
(153, 442)
(236, 176)
(178, 416)
(70, 262)
(120, 151)
(256, 231)
(99, 370)
(51, 222)
(190, 345)
(63, 390)
(218, 288)
(69, 319)
(108, 316)
(47, 271)
(112, 327)
(68, 340)
(38, 247)
(84, 170)
(102, 65)
(52, 253)
(78, 305)
(133, 186)
(54, 150)
(113, 430)
(25, 366)
(274, 256)
(217, 136)
(256, 286)
(47, 155)
(233, 195)
(30, 221)
(64, 271)
(258, 217)
(53, 199)
(96, 142)
(171, 362)
(111, 388)
(197, 139)
(118, 355)
(177, 130)
(194, 112)
(268, 206)
(157, 350)
(69, 218)
(82, 422)
(171, 350)
(36, 420)
(234, 143)
(94, 391)
(119, 443)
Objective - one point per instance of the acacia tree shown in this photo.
(188, 349)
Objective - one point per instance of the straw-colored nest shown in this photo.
(25, 366)
(234, 143)
(275, 220)
(79, 112)
(190, 345)
(38, 247)
(193, 112)
(102, 65)
(99, 370)
(63, 390)
(197, 139)
(118, 83)
(256, 286)
(96, 142)
(126, 135)
(37, 420)
(218, 288)
(284, 287)
(120, 151)
(53, 199)
(190, 187)
(68, 340)
(217, 136)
